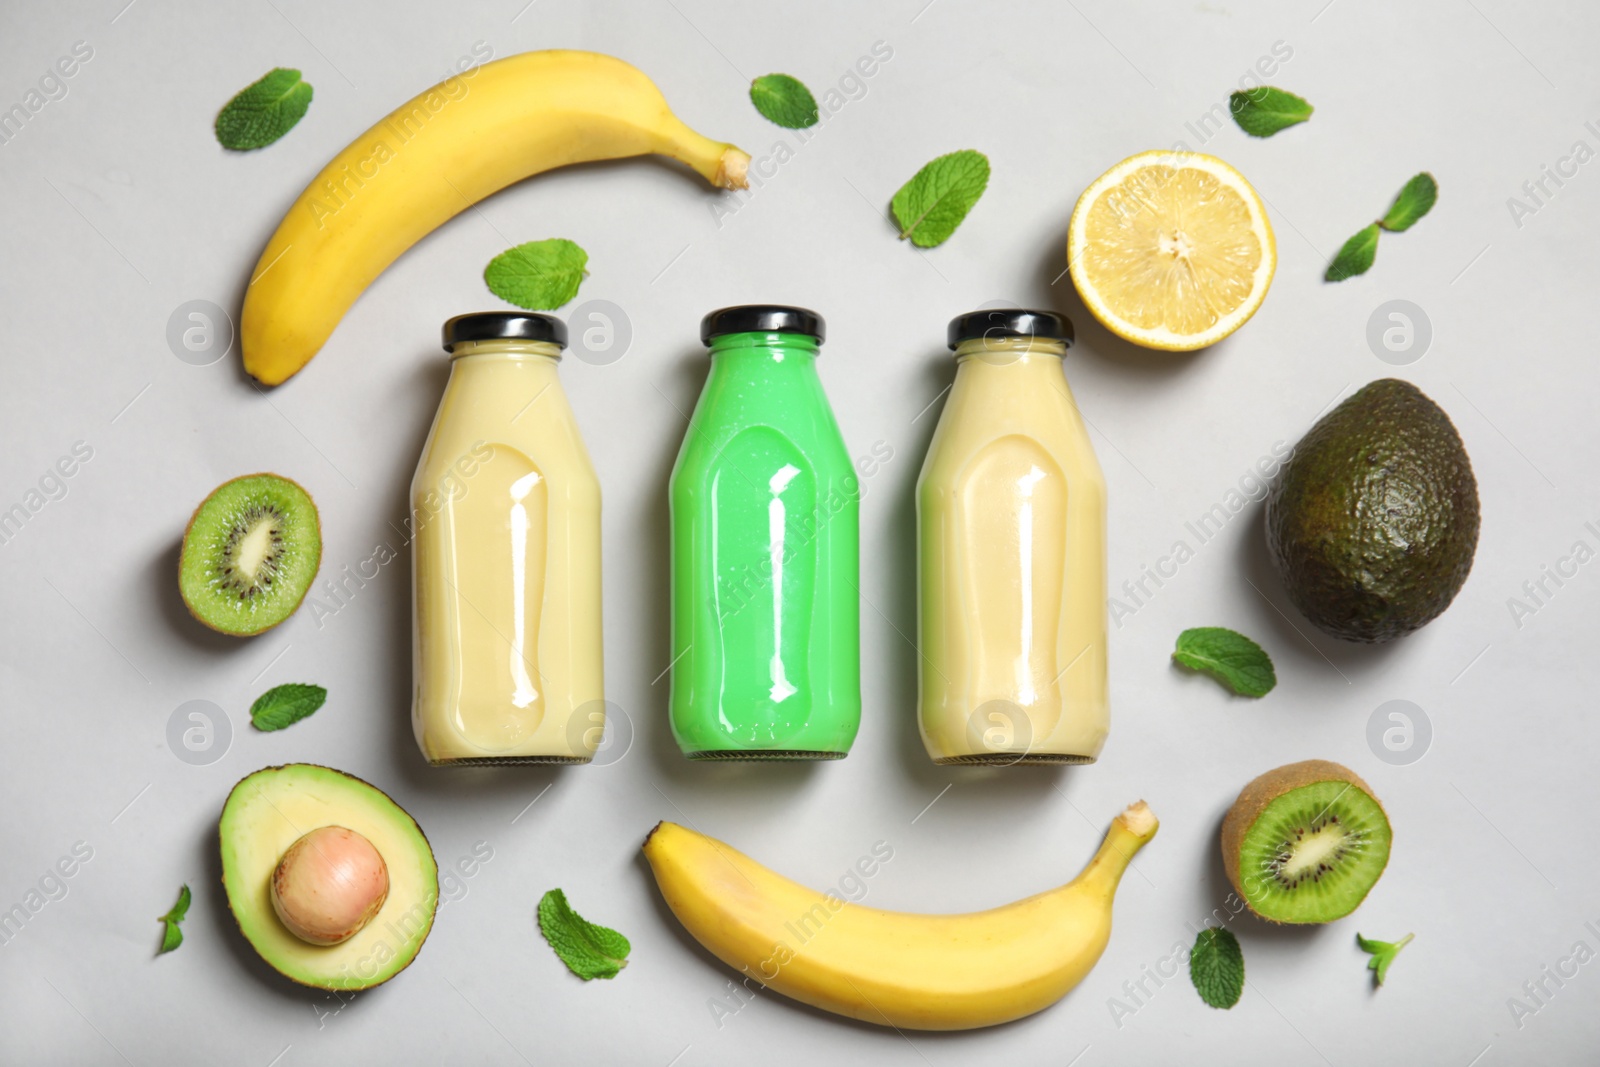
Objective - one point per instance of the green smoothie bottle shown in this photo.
(766, 654)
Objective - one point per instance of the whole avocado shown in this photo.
(1374, 521)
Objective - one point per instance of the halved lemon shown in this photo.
(1171, 250)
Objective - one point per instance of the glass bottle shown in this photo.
(1011, 555)
(765, 571)
(505, 515)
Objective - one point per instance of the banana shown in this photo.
(910, 971)
(440, 152)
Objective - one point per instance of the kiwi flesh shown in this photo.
(1305, 843)
(250, 553)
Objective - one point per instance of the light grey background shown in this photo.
(118, 206)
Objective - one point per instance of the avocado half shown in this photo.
(270, 810)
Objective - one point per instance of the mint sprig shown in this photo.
(934, 202)
(285, 705)
(784, 100)
(589, 951)
(538, 275)
(171, 936)
(1216, 967)
(1383, 954)
(1230, 657)
(1413, 202)
(264, 110)
(1264, 110)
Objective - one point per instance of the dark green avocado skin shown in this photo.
(1374, 521)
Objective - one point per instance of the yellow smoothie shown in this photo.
(1011, 514)
(506, 566)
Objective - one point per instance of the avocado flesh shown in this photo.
(1374, 521)
(270, 810)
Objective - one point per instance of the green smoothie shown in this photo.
(765, 551)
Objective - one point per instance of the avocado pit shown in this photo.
(328, 885)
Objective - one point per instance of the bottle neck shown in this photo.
(537, 351)
(770, 350)
(1024, 352)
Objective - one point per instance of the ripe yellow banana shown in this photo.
(911, 971)
(467, 137)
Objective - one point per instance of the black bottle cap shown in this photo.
(761, 318)
(1009, 322)
(504, 326)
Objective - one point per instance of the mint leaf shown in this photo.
(1355, 257)
(539, 275)
(932, 204)
(180, 910)
(589, 951)
(784, 100)
(1383, 954)
(1216, 967)
(1263, 111)
(263, 111)
(1231, 658)
(171, 936)
(1414, 201)
(286, 705)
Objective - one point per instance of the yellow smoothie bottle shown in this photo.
(505, 512)
(1011, 555)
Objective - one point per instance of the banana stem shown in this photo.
(1128, 834)
(731, 169)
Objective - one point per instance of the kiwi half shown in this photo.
(1304, 843)
(249, 555)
